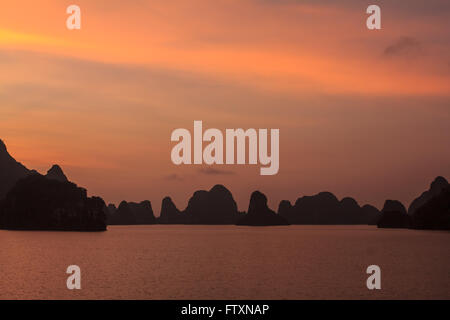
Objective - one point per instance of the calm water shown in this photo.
(226, 262)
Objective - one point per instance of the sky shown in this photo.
(362, 113)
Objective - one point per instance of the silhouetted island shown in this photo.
(259, 214)
(436, 187)
(216, 206)
(39, 203)
(170, 213)
(325, 208)
(434, 214)
(130, 213)
(393, 215)
(31, 201)
(11, 171)
(431, 210)
(56, 173)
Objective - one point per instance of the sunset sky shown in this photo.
(362, 113)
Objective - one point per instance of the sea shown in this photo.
(226, 262)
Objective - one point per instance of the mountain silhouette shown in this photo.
(436, 187)
(393, 215)
(170, 213)
(111, 209)
(284, 208)
(29, 200)
(130, 213)
(56, 173)
(259, 214)
(431, 210)
(10, 171)
(433, 214)
(39, 203)
(372, 214)
(325, 208)
(215, 206)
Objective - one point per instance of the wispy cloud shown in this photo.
(213, 171)
(404, 46)
(173, 177)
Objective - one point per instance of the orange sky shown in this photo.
(361, 113)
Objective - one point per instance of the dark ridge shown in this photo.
(215, 206)
(131, 213)
(434, 214)
(21, 208)
(170, 213)
(259, 214)
(11, 171)
(2, 147)
(371, 213)
(284, 208)
(111, 209)
(393, 215)
(436, 187)
(38, 203)
(325, 208)
(56, 173)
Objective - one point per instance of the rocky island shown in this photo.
(259, 214)
(31, 201)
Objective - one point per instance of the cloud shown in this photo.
(173, 177)
(213, 171)
(404, 46)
